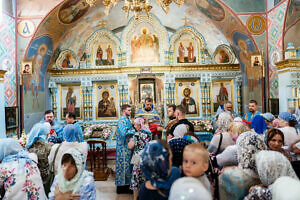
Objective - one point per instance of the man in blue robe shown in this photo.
(56, 126)
(123, 153)
(252, 111)
(151, 117)
(71, 119)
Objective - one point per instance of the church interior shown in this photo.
(92, 57)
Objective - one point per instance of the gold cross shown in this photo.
(185, 21)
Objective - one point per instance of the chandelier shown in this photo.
(136, 6)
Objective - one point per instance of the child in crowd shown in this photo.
(196, 162)
(137, 143)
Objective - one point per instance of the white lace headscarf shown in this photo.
(285, 188)
(189, 188)
(224, 120)
(74, 184)
(248, 144)
(272, 165)
(180, 130)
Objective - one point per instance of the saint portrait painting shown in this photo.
(71, 100)
(187, 95)
(221, 92)
(107, 100)
(186, 51)
(27, 67)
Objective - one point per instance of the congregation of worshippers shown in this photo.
(255, 156)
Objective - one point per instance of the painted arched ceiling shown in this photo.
(292, 23)
(73, 36)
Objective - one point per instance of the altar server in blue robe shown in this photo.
(123, 153)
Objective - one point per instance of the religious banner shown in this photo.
(70, 100)
(221, 92)
(187, 95)
(106, 100)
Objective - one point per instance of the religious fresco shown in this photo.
(223, 55)
(70, 100)
(35, 7)
(275, 28)
(221, 92)
(40, 52)
(67, 60)
(186, 51)
(72, 10)
(212, 9)
(246, 6)
(187, 95)
(63, 35)
(293, 13)
(144, 46)
(244, 48)
(106, 95)
(104, 54)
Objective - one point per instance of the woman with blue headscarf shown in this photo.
(37, 143)
(71, 138)
(19, 174)
(259, 124)
(71, 133)
(287, 122)
(157, 167)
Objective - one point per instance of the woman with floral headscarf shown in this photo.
(19, 173)
(72, 180)
(157, 167)
(37, 143)
(234, 182)
(270, 166)
(71, 137)
(141, 137)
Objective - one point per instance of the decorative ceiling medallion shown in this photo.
(256, 24)
(26, 28)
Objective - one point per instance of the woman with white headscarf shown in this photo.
(222, 138)
(285, 188)
(72, 180)
(71, 137)
(234, 182)
(189, 188)
(270, 166)
(19, 173)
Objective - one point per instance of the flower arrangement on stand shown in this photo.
(202, 125)
(102, 131)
